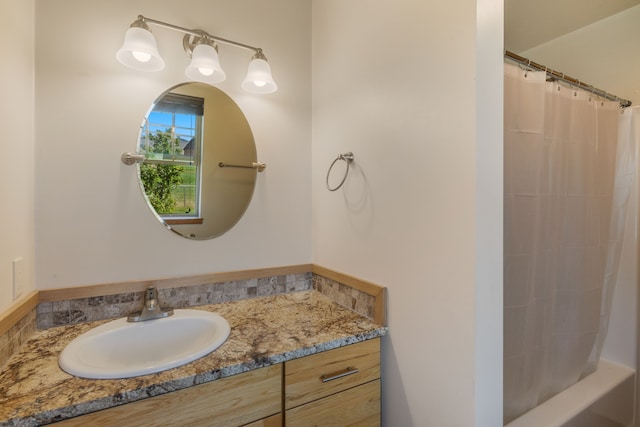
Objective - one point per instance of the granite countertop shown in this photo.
(264, 331)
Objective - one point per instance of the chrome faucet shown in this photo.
(151, 309)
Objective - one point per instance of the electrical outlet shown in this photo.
(18, 278)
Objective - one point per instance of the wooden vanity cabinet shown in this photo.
(253, 398)
(334, 388)
(273, 421)
(338, 387)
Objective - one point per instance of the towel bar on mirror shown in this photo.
(254, 165)
(130, 158)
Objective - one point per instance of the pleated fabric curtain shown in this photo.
(562, 233)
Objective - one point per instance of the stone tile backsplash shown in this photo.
(58, 313)
(11, 340)
(351, 298)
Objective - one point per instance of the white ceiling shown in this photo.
(529, 23)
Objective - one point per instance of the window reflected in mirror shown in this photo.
(171, 141)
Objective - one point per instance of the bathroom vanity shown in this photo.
(336, 387)
(293, 359)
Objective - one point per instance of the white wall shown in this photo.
(17, 145)
(489, 198)
(600, 55)
(396, 83)
(92, 224)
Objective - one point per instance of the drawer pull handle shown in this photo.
(349, 371)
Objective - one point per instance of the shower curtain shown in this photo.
(568, 170)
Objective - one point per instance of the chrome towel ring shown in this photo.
(347, 157)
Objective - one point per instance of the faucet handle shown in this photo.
(151, 298)
(151, 308)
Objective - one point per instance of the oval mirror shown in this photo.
(199, 168)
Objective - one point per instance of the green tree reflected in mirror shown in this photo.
(160, 181)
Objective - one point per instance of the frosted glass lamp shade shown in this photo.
(259, 79)
(139, 51)
(205, 65)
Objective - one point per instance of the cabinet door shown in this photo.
(273, 421)
(231, 401)
(358, 406)
(313, 377)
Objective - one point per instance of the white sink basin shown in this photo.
(121, 349)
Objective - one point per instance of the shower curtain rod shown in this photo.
(556, 75)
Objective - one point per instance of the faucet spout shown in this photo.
(151, 309)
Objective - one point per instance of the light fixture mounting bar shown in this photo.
(198, 33)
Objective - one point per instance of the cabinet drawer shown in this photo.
(319, 375)
(359, 406)
(231, 401)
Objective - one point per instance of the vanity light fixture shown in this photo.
(259, 78)
(140, 52)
